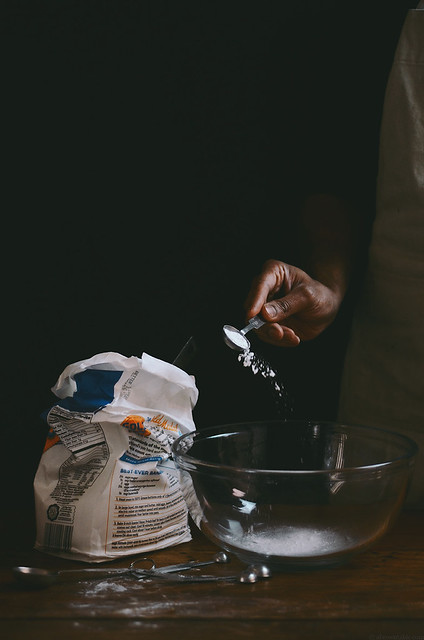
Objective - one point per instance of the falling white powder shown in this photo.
(294, 542)
(258, 365)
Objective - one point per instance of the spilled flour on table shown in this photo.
(258, 365)
(103, 587)
(135, 599)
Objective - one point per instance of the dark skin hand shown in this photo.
(295, 305)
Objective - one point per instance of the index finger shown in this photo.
(263, 285)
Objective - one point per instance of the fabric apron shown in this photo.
(383, 377)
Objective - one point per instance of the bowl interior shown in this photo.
(295, 445)
(294, 493)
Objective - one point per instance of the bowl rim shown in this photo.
(335, 472)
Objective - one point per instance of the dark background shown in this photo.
(155, 154)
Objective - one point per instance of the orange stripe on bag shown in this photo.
(51, 440)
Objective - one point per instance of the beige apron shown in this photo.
(383, 378)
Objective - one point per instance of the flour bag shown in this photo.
(106, 486)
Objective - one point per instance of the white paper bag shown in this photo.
(106, 486)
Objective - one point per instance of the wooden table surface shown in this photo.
(380, 594)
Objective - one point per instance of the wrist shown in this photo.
(334, 278)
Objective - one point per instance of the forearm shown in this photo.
(328, 241)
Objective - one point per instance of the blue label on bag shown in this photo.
(127, 458)
(95, 390)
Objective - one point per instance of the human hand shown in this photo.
(295, 306)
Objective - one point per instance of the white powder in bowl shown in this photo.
(292, 542)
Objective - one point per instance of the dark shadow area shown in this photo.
(156, 154)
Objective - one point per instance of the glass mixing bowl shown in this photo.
(294, 494)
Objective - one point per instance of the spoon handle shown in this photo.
(183, 566)
(254, 323)
(97, 571)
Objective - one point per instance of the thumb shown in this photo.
(282, 308)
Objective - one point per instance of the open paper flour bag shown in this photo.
(105, 485)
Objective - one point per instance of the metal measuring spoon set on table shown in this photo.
(39, 578)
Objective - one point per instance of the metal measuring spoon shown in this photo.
(236, 338)
(219, 558)
(255, 572)
(39, 578)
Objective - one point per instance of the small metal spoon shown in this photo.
(35, 577)
(255, 572)
(236, 338)
(218, 558)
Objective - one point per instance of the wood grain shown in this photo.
(380, 592)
